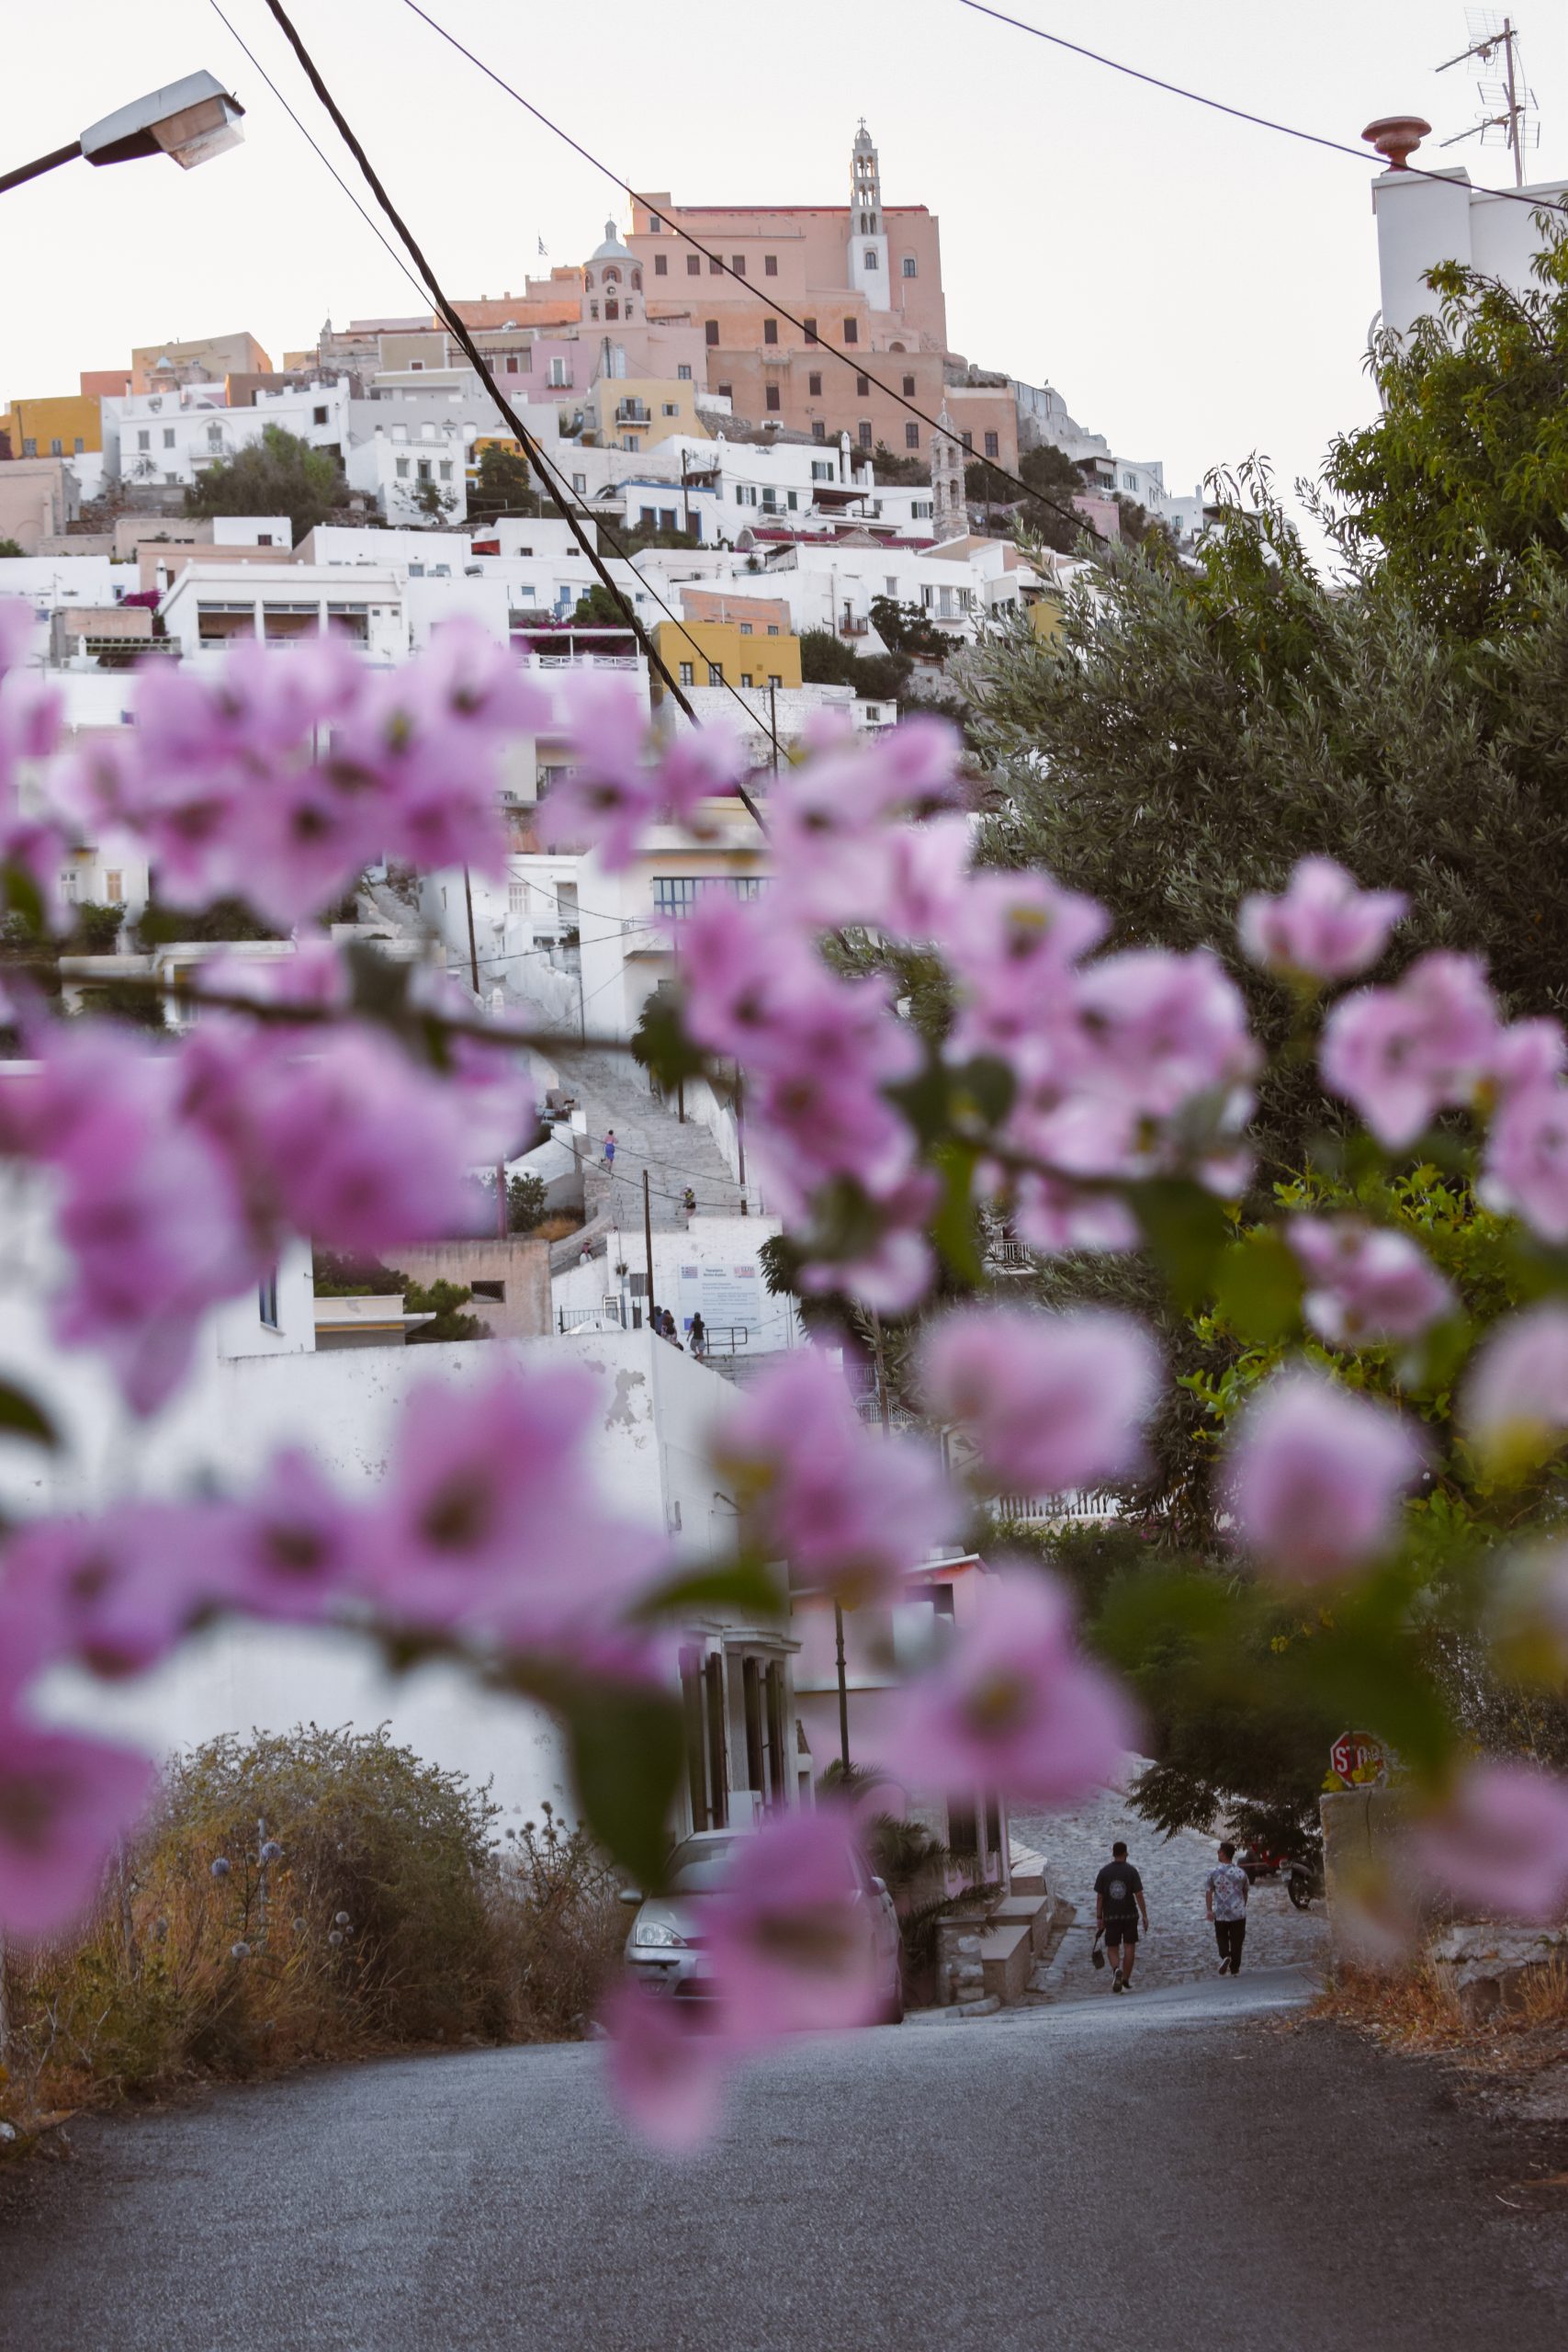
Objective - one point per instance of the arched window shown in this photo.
(612, 276)
(594, 309)
(870, 261)
(637, 279)
(588, 279)
(631, 308)
(612, 308)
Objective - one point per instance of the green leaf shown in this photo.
(1186, 1230)
(625, 1747)
(745, 1585)
(23, 1417)
(661, 1043)
(953, 1228)
(1258, 1290)
(991, 1085)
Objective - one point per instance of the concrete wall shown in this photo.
(521, 1266)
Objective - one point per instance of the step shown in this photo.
(1007, 1956)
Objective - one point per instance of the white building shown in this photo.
(173, 436)
(212, 606)
(1437, 216)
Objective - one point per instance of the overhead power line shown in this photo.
(546, 472)
(1237, 114)
(717, 263)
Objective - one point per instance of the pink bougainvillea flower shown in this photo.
(1502, 1842)
(117, 1592)
(1514, 1405)
(1322, 927)
(788, 1932)
(612, 795)
(1527, 1158)
(666, 2066)
(852, 1512)
(1315, 1477)
(1012, 1705)
(65, 1803)
(1053, 1215)
(1010, 942)
(1162, 1028)
(290, 1548)
(1367, 1285)
(1051, 1402)
(1400, 1053)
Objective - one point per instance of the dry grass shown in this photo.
(1418, 2010)
(556, 1229)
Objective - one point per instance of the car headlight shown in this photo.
(649, 1931)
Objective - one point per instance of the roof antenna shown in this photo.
(1510, 119)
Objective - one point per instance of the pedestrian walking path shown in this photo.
(1179, 1947)
(613, 1092)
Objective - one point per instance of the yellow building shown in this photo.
(635, 411)
(1045, 617)
(63, 425)
(727, 653)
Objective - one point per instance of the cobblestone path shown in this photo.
(1180, 1943)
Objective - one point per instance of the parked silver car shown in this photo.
(666, 1946)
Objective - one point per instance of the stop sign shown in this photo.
(1357, 1751)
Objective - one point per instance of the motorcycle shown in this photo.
(1305, 1884)
(1303, 1873)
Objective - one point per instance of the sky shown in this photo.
(1196, 289)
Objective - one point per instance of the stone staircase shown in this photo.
(613, 1091)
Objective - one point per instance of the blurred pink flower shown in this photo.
(1052, 1402)
(1316, 1475)
(611, 797)
(1502, 1842)
(1011, 1706)
(1054, 1216)
(1322, 927)
(1368, 1285)
(118, 1592)
(1400, 1053)
(851, 1511)
(666, 2066)
(1526, 1159)
(1160, 1028)
(789, 1930)
(65, 1803)
(1514, 1403)
(288, 1549)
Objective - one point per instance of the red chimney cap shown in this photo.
(1396, 136)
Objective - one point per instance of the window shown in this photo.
(671, 408)
(769, 330)
(865, 433)
(727, 391)
(683, 373)
(114, 889)
(746, 630)
(79, 445)
(662, 265)
(266, 1298)
(769, 264)
(771, 396)
(446, 468)
(1129, 481)
(715, 673)
(558, 372)
(30, 447)
(494, 1292)
(852, 329)
(675, 894)
(687, 676)
(318, 416)
(746, 677)
(422, 468)
(967, 439)
(715, 267)
(68, 885)
(871, 260)
(403, 470)
(909, 266)
(993, 446)
(773, 677)
(874, 712)
(57, 448)
(738, 263)
(168, 436)
(814, 386)
(143, 441)
(580, 483)
(710, 329)
(792, 500)
(909, 388)
(772, 629)
(693, 264)
(818, 430)
(821, 469)
(667, 518)
(512, 362)
(416, 365)
(911, 436)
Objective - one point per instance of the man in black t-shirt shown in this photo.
(1118, 1905)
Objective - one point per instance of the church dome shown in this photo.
(612, 249)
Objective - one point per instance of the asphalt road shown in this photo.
(1167, 2171)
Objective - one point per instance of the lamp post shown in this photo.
(191, 121)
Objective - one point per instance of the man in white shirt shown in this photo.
(1226, 1891)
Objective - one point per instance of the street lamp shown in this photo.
(189, 120)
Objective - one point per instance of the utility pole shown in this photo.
(844, 1687)
(773, 725)
(502, 1222)
(740, 1134)
(1511, 99)
(647, 1241)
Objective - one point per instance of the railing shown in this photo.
(1034, 1509)
(899, 1416)
(580, 660)
(1008, 1258)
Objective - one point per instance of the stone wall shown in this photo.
(520, 1265)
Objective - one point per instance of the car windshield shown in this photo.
(699, 1864)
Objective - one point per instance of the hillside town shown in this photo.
(737, 1301)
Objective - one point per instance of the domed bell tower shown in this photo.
(869, 271)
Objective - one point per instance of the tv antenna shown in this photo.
(1510, 119)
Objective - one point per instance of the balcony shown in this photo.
(851, 627)
(632, 413)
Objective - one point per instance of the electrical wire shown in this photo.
(717, 263)
(542, 465)
(1238, 114)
